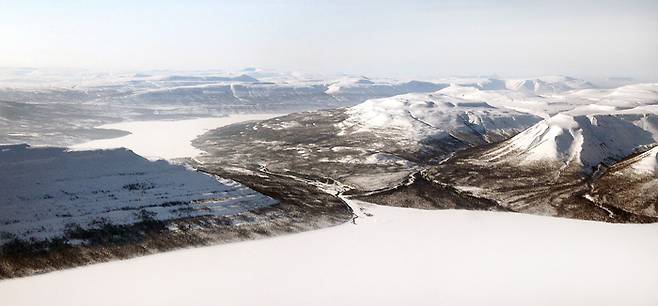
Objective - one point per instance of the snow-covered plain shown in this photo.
(165, 139)
(396, 257)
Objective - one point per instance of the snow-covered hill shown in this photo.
(586, 137)
(363, 86)
(46, 191)
(416, 117)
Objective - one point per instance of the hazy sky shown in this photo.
(397, 38)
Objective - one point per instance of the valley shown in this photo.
(420, 171)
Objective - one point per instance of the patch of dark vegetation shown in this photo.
(7, 236)
(622, 187)
(14, 221)
(138, 186)
(424, 194)
(109, 241)
(164, 204)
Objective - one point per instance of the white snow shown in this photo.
(372, 159)
(347, 83)
(397, 257)
(165, 139)
(648, 162)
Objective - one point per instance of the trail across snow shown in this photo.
(164, 139)
(398, 256)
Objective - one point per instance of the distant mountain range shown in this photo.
(67, 106)
(545, 149)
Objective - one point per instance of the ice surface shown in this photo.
(165, 139)
(399, 256)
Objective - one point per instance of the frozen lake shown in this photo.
(164, 139)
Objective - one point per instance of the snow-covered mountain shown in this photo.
(282, 97)
(547, 84)
(581, 128)
(417, 117)
(584, 162)
(534, 85)
(585, 137)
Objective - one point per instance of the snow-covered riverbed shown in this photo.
(397, 257)
(165, 139)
